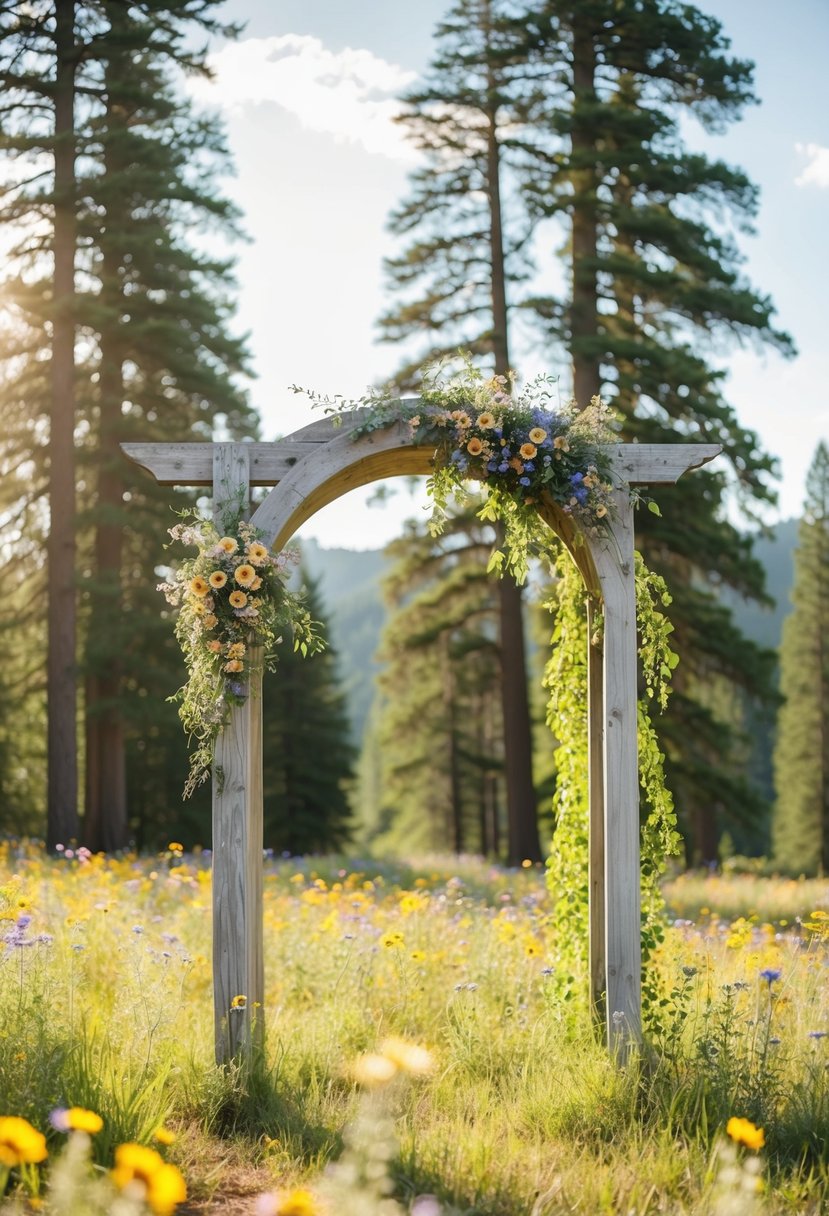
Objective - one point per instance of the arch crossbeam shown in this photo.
(310, 469)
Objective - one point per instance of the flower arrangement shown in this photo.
(521, 444)
(233, 607)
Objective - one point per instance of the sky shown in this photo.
(308, 95)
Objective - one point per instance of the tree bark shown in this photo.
(62, 761)
(584, 309)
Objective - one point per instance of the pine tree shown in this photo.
(158, 360)
(801, 755)
(464, 252)
(308, 754)
(439, 730)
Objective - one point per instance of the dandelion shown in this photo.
(163, 1135)
(20, 1143)
(142, 1172)
(244, 575)
(198, 586)
(217, 579)
(76, 1119)
(743, 1131)
(237, 599)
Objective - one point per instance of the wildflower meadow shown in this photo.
(422, 1051)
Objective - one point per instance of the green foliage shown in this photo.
(566, 676)
(233, 606)
(801, 757)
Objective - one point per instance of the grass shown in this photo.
(110, 1007)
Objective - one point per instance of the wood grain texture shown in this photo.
(623, 952)
(596, 792)
(238, 968)
(651, 464)
(191, 464)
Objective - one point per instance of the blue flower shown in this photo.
(523, 481)
(772, 974)
(503, 467)
(576, 478)
(529, 467)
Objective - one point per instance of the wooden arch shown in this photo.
(312, 468)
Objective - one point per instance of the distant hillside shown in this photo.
(350, 587)
(350, 583)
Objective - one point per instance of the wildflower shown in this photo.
(392, 941)
(299, 1202)
(408, 1057)
(234, 665)
(527, 451)
(239, 1002)
(236, 650)
(743, 1131)
(237, 599)
(217, 579)
(198, 586)
(372, 1070)
(175, 847)
(76, 1119)
(142, 1171)
(474, 447)
(770, 974)
(214, 645)
(561, 444)
(244, 575)
(256, 553)
(228, 545)
(210, 621)
(20, 1143)
(486, 421)
(256, 584)
(163, 1135)
(537, 435)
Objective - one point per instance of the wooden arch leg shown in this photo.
(595, 743)
(238, 969)
(623, 1012)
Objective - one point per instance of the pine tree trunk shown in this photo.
(62, 760)
(106, 820)
(522, 811)
(584, 311)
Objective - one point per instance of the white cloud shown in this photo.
(349, 94)
(816, 172)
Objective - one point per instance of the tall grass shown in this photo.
(108, 1005)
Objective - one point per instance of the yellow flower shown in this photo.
(163, 1135)
(486, 421)
(217, 579)
(256, 584)
(408, 1057)
(392, 941)
(80, 1120)
(210, 621)
(256, 553)
(149, 1176)
(236, 650)
(538, 434)
(198, 586)
(296, 1203)
(601, 511)
(743, 1131)
(239, 1002)
(372, 1069)
(474, 447)
(244, 575)
(234, 665)
(237, 599)
(560, 442)
(461, 418)
(175, 847)
(20, 1143)
(228, 544)
(527, 451)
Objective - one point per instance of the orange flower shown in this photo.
(245, 575)
(235, 665)
(561, 443)
(228, 544)
(199, 586)
(237, 599)
(527, 451)
(215, 645)
(256, 584)
(486, 421)
(257, 553)
(474, 447)
(217, 579)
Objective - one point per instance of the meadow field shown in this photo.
(423, 1053)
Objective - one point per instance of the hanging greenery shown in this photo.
(232, 609)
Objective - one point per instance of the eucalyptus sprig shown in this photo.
(233, 609)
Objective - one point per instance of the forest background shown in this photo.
(153, 240)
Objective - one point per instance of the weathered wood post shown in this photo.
(238, 969)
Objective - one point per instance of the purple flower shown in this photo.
(59, 1119)
(771, 974)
